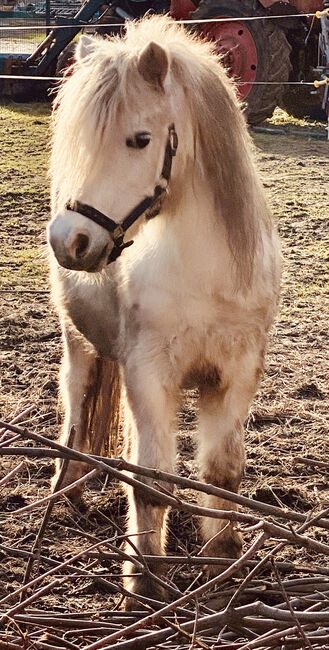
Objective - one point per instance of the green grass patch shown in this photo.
(24, 193)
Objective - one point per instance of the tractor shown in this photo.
(290, 49)
(269, 57)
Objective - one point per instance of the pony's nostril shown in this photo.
(81, 244)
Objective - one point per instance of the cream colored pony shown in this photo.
(191, 301)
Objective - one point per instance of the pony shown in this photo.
(149, 136)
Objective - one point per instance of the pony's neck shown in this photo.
(188, 234)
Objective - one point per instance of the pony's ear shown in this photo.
(85, 47)
(153, 64)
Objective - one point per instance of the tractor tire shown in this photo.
(258, 51)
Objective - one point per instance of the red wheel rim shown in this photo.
(236, 43)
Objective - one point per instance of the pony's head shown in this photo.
(111, 123)
(112, 149)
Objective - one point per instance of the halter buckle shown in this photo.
(118, 234)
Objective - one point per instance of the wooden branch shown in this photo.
(271, 529)
(244, 613)
(124, 466)
(262, 562)
(152, 618)
(7, 645)
(36, 548)
(34, 582)
(269, 639)
(301, 620)
(109, 586)
(140, 565)
(61, 641)
(9, 438)
(196, 560)
(175, 560)
(310, 461)
(138, 560)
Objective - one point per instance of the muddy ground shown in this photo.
(289, 415)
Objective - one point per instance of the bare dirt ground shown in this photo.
(289, 416)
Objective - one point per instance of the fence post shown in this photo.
(47, 15)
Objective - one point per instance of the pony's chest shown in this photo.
(175, 313)
(194, 300)
(189, 318)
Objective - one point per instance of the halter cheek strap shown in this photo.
(150, 206)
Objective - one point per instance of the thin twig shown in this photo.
(285, 595)
(36, 548)
(18, 418)
(54, 495)
(263, 561)
(12, 473)
(38, 579)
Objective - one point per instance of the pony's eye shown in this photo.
(139, 141)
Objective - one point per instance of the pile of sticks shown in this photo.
(259, 612)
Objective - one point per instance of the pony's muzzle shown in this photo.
(75, 247)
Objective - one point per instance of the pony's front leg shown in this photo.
(223, 410)
(76, 372)
(89, 393)
(152, 398)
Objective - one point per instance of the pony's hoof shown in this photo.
(76, 497)
(131, 604)
(72, 474)
(217, 603)
(74, 494)
(146, 587)
(228, 545)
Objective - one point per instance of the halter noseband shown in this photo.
(150, 206)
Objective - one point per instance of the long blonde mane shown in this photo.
(88, 101)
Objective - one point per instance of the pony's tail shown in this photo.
(103, 408)
(97, 431)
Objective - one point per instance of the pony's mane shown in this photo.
(89, 99)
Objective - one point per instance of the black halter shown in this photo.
(150, 206)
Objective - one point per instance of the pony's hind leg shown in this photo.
(223, 410)
(88, 385)
(150, 423)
